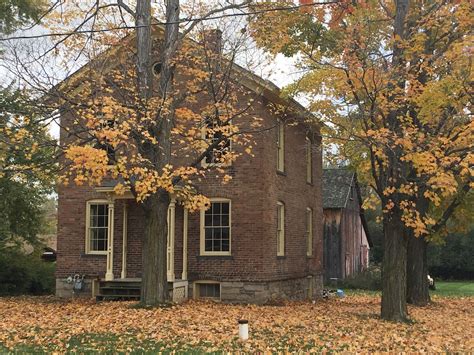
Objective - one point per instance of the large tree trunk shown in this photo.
(154, 252)
(394, 265)
(154, 273)
(417, 272)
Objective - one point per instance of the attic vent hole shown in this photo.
(157, 68)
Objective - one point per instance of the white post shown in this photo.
(123, 275)
(243, 329)
(171, 233)
(184, 275)
(109, 274)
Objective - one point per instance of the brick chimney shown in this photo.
(212, 40)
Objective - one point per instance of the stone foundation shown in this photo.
(308, 288)
(65, 289)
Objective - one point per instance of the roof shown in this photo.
(246, 78)
(337, 183)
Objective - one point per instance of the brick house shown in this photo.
(261, 239)
(346, 237)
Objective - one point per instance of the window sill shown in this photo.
(215, 256)
(93, 254)
(282, 173)
(281, 256)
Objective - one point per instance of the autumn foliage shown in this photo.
(349, 324)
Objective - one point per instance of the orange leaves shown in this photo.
(89, 164)
(349, 324)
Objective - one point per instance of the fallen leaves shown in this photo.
(349, 324)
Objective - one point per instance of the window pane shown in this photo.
(225, 245)
(216, 220)
(225, 220)
(216, 245)
(208, 245)
(208, 220)
(225, 233)
(225, 208)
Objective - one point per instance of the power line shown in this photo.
(185, 20)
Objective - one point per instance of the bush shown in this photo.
(22, 274)
(370, 279)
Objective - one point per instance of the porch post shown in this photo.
(109, 274)
(184, 275)
(124, 240)
(171, 233)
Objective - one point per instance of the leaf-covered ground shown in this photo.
(349, 324)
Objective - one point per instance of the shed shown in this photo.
(346, 237)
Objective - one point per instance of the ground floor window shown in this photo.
(207, 290)
(216, 228)
(97, 224)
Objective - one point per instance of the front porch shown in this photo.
(130, 288)
(126, 285)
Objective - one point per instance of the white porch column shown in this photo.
(109, 274)
(124, 240)
(184, 275)
(170, 244)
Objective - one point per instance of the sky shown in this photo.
(279, 70)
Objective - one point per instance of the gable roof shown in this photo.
(337, 184)
(245, 77)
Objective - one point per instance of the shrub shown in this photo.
(22, 274)
(369, 279)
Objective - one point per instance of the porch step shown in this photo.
(119, 290)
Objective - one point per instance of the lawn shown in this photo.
(45, 324)
(454, 288)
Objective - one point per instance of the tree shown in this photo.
(26, 170)
(391, 79)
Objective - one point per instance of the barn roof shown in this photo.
(337, 184)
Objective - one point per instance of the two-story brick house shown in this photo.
(261, 238)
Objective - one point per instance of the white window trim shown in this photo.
(309, 231)
(88, 222)
(280, 146)
(202, 233)
(280, 237)
(309, 161)
(204, 162)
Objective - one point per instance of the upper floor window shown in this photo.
(280, 229)
(309, 231)
(215, 133)
(97, 225)
(309, 161)
(216, 228)
(280, 146)
(105, 146)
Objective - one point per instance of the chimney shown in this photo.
(212, 40)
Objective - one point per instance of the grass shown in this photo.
(454, 288)
(443, 289)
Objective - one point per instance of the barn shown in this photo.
(346, 237)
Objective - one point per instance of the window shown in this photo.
(97, 225)
(215, 132)
(280, 229)
(309, 161)
(103, 145)
(208, 290)
(309, 231)
(215, 228)
(280, 146)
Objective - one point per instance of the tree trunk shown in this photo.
(417, 272)
(154, 273)
(394, 266)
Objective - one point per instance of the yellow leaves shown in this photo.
(336, 325)
(89, 164)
